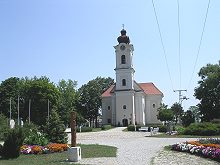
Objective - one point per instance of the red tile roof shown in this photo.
(107, 93)
(148, 88)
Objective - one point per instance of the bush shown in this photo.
(13, 142)
(106, 127)
(132, 128)
(162, 128)
(84, 129)
(203, 129)
(1, 149)
(3, 126)
(36, 138)
(180, 130)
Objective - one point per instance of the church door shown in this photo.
(125, 122)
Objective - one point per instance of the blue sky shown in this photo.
(74, 39)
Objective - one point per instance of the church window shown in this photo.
(154, 105)
(124, 106)
(123, 82)
(123, 59)
(109, 107)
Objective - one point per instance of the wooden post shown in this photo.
(73, 129)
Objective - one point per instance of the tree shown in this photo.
(40, 91)
(165, 115)
(187, 118)
(208, 92)
(9, 89)
(196, 113)
(55, 129)
(90, 97)
(177, 110)
(68, 99)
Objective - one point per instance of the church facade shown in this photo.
(128, 102)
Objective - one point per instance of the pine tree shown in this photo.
(55, 129)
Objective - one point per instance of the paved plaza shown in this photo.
(137, 148)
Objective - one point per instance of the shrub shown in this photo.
(3, 126)
(36, 138)
(13, 142)
(132, 128)
(106, 127)
(203, 129)
(84, 129)
(1, 149)
(162, 128)
(180, 130)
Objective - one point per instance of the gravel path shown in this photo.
(136, 148)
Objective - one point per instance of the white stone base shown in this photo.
(74, 154)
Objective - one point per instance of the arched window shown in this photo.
(124, 106)
(123, 59)
(154, 105)
(123, 82)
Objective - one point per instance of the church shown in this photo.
(127, 101)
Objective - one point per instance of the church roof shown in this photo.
(147, 88)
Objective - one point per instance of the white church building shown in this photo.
(128, 102)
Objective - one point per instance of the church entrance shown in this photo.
(125, 122)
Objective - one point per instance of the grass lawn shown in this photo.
(88, 151)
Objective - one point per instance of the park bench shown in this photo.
(143, 129)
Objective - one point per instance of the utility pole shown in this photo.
(29, 110)
(181, 98)
(18, 111)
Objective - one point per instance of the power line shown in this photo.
(178, 11)
(161, 39)
(200, 42)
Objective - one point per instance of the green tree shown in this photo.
(40, 91)
(177, 110)
(165, 115)
(90, 97)
(68, 99)
(187, 118)
(208, 92)
(4, 126)
(196, 113)
(55, 129)
(9, 89)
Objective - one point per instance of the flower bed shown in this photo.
(50, 148)
(211, 151)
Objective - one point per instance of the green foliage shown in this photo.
(67, 100)
(208, 92)
(187, 118)
(177, 111)
(55, 129)
(162, 128)
(203, 129)
(209, 141)
(165, 115)
(132, 127)
(90, 97)
(9, 88)
(3, 126)
(36, 138)
(180, 130)
(84, 129)
(12, 144)
(1, 147)
(106, 127)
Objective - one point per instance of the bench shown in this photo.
(143, 129)
(155, 130)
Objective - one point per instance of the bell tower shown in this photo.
(124, 64)
(124, 110)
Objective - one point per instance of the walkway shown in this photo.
(136, 148)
